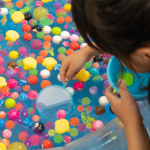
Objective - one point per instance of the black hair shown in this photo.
(118, 27)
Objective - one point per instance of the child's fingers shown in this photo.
(70, 73)
(110, 96)
(63, 71)
(124, 93)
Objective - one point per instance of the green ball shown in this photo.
(10, 103)
(81, 40)
(56, 31)
(11, 11)
(73, 132)
(20, 63)
(61, 50)
(128, 77)
(85, 101)
(33, 72)
(58, 138)
(40, 35)
(51, 132)
(88, 65)
(46, 21)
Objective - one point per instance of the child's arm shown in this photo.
(126, 109)
(73, 63)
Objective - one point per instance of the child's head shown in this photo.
(118, 27)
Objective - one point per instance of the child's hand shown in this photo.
(124, 106)
(72, 64)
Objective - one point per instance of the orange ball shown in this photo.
(43, 53)
(32, 80)
(10, 124)
(26, 88)
(36, 118)
(2, 114)
(91, 59)
(60, 20)
(47, 38)
(45, 83)
(47, 45)
(68, 19)
(39, 59)
(95, 65)
(80, 108)
(6, 142)
(5, 89)
(19, 4)
(74, 121)
(14, 95)
(69, 52)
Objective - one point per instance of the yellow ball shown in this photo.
(13, 55)
(2, 146)
(67, 7)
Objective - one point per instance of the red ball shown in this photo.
(46, 144)
(27, 36)
(74, 45)
(32, 79)
(26, 28)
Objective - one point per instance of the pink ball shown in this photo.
(79, 86)
(23, 22)
(61, 114)
(23, 50)
(13, 114)
(36, 44)
(97, 124)
(74, 38)
(65, 43)
(1, 61)
(35, 140)
(67, 139)
(12, 83)
(7, 133)
(38, 4)
(32, 95)
(2, 70)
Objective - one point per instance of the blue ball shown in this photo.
(27, 123)
(23, 82)
(1, 102)
(23, 96)
(2, 123)
(11, 26)
(94, 71)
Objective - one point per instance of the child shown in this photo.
(120, 28)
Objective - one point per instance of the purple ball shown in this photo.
(57, 5)
(23, 50)
(2, 4)
(9, 74)
(18, 121)
(1, 37)
(26, 55)
(28, 143)
(44, 136)
(68, 1)
(24, 113)
(18, 89)
(93, 90)
(72, 31)
(3, 52)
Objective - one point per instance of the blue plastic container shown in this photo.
(140, 80)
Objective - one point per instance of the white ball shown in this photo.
(3, 11)
(83, 45)
(71, 90)
(65, 35)
(58, 77)
(47, 29)
(45, 73)
(57, 39)
(103, 101)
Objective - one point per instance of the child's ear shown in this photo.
(144, 51)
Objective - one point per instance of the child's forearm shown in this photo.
(137, 136)
(89, 51)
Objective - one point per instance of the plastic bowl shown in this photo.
(114, 69)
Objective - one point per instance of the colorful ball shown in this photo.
(1, 61)
(56, 31)
(61, 12)
(23, 50)
(32, 95)
(57, 39)
(13, 55)
(27, 122)
(26, 28)
(2, 123)
(45, 83)
(65, 35)
(46, 144)
(13, 114)
(10, 103)
(78, 86)
(9, 74)
(17, 146)
(61, 114)
(32, 80)
(2, 114)
(57, 5)
(74, 121)
(74, 38)
(103, 101)
(19, 106)
(67, 139)
(33, 22)
(36, 118)
(47, 29)
(2, 70)
(35, 140)
(27, 36)
(67, 7)
(7, 133)
(24, 135)
(71, 90)
(93, 90)
(74, 45)
(23, 96)
(6, 142)
(10, 124)
(45, 73)
(36, 44)
(65, 43)
(12, 83)
(97, 124)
